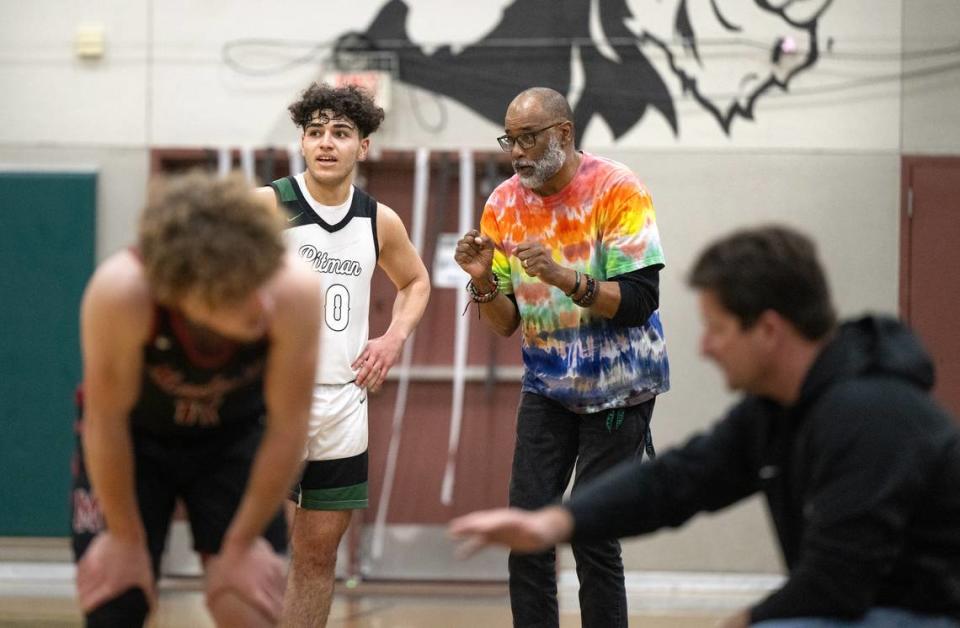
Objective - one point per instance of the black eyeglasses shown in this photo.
(526, 140)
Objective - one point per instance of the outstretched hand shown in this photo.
(520, 530)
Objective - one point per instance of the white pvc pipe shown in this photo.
(297, 164)
(462, 334)
(248, 163)
(421, 186)
(224, 161)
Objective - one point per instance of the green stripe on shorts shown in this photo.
(340, 498)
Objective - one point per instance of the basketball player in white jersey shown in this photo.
(343, 233)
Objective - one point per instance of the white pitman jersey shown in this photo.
(345, 254)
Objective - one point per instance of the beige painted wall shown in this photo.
(931, 85)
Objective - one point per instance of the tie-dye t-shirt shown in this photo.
(601, 223)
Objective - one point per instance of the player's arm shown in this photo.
(288, 390)
(399, 259)
(116, 316)
(267, 197)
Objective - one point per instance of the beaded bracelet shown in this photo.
(590, 295)
(483, 297)
(576, 285)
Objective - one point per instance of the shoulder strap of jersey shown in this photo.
(286, 195)
(365, 206)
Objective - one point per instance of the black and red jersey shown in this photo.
(195, 382)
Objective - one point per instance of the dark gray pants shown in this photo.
(551, 442)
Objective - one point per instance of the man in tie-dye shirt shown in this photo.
(568, 251)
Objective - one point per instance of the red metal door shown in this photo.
(930, 265)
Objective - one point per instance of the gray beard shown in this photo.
(544, 169)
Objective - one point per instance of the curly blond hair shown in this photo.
(209, 237)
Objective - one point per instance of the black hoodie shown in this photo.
(861, 475)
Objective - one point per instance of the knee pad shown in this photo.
(129, 609)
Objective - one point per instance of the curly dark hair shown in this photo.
(349, 101)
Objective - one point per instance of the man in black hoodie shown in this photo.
(860, 467)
